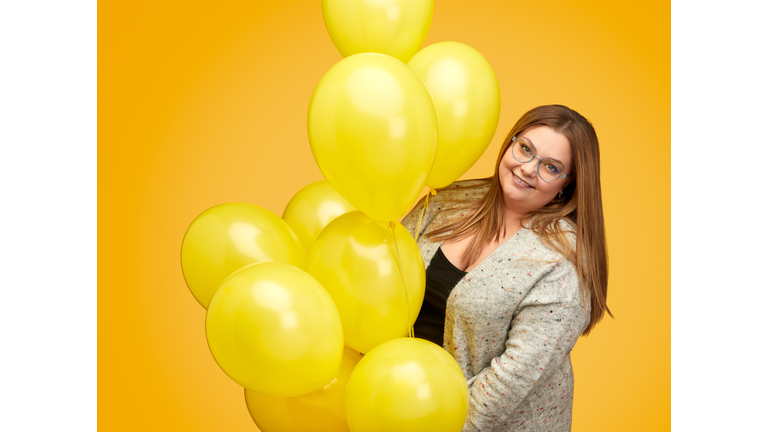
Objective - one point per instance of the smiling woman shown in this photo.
(518, 271)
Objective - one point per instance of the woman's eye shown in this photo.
(526, 149)
(553, 168)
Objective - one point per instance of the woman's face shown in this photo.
(524, 190)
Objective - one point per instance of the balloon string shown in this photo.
(432, 191)
(405, 289)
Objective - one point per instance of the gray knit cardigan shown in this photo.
(510, 323)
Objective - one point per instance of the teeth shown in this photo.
(521, 180)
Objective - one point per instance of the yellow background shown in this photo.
(202, 103)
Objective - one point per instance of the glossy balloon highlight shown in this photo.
(467, 100)
(312, 208)
(372, 129)
(356, 261)
(228, 237)
(273, 329)
(407, 385)
(397, 28)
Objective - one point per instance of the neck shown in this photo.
(513, 221)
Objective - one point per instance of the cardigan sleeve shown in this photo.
(450, 197)
(411, 220)
(543, 332)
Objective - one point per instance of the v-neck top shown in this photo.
(442, 276)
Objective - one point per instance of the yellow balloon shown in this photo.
(312, 208)
(407, 385)
(320, 411)
(373, 132)
(355, 260)
(397, 28)
(273, 329)
(466, 95)
(227, 237)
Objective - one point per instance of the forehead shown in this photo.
(549, 143)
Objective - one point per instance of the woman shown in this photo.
(517, 270)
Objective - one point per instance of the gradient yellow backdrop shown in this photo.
(202, 103)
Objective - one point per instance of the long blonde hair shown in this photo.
(581, 205)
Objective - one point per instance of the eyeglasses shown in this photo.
(524, 151)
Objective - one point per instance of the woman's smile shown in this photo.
(520, 182)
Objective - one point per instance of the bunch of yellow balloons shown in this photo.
(311, 313)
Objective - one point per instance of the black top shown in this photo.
(442, 276)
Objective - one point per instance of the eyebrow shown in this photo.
(556, 160)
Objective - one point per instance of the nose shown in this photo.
(529, 168)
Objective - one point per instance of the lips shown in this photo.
(521, 183)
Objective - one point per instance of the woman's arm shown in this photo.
(544, 330)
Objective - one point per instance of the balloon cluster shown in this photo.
(311, 313)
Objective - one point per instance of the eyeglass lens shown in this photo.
(549, 170)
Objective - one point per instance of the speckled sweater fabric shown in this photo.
(510, 324)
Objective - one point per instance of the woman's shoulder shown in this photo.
(445, 203)
(469, 183)
(540, 234)
(454, 194)
(473, 188)
(567, 226)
